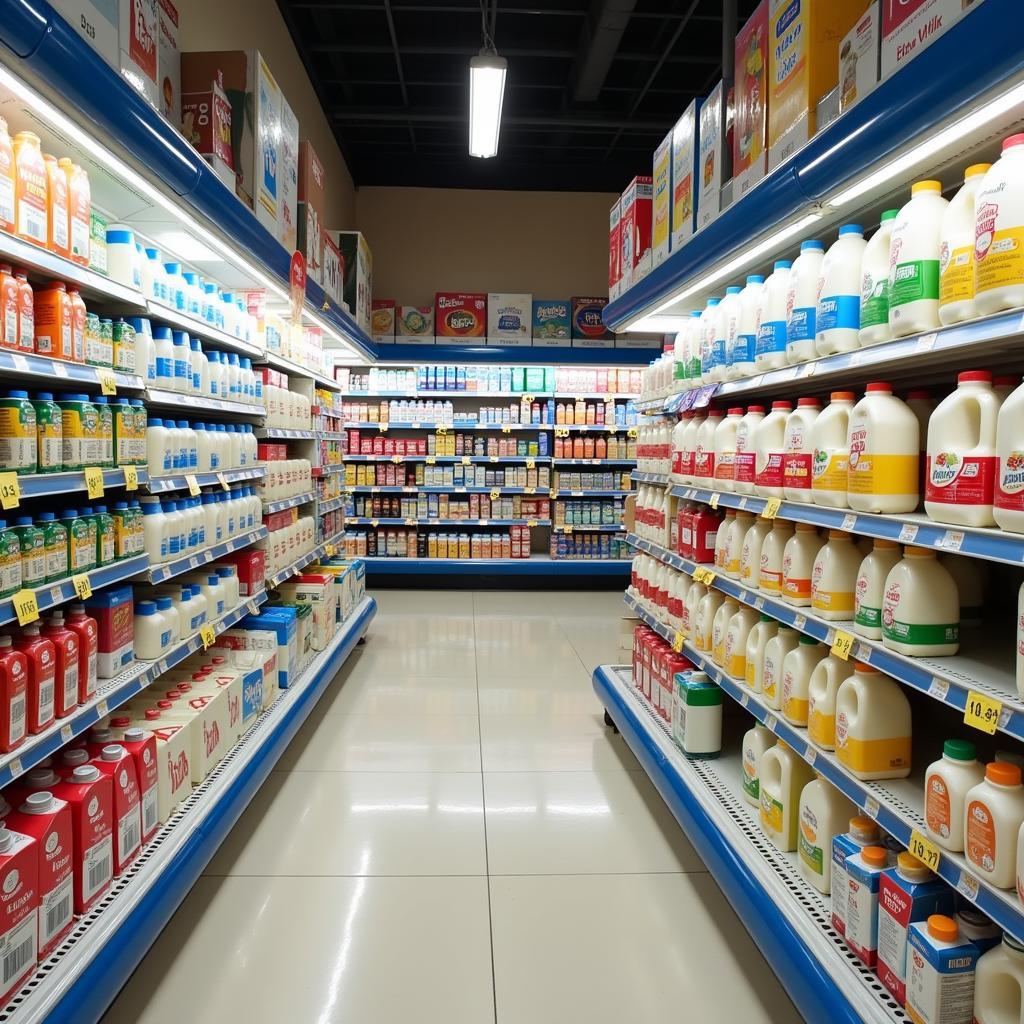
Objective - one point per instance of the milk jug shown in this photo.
(782, 777)
(797, 451)
(709, 321)
(742, 523)
(873, 725)
(838, 313)
(703, 627)
(729, 310)
(921, 608)
(770, 351)
(798, 564)
(750, 556)
(693, 598)
(802, 302)
(757, 642)
(962, 458)
(744, 467)
(1008, 501)
(755, 742)
(692, 339)
(744, 348)
(834, 577)
(826, 679)
(693, 421)
(741, 625)
(720, 629)
(1003, 384)
(874, 284)
(725, 448)
(956, 251)
(784, 641)
(914, 261)
(773, 552)
(824, 814)
(999, 231)
(796, 678)
(998, 984)
(829, 438)
(704, 453)
(870, 588)
(768, 443)
(992, 820)
(884, 451)
(722, 539)
(946, 783)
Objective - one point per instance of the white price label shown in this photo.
(849, 522)
(968, 886)
(951, 540)
(908, 533)
(810, 755)
(871, 807)
(938, 688)
(799, 622)
(926, 342)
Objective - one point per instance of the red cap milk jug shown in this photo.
(90, 795)
(42, 666)
(141, 744)
(13, 695)
(88, 644)
(66, 644)
(115, 762)
(19, 901)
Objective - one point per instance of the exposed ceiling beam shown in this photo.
(357, 115)
(599, 42)
(398, 68)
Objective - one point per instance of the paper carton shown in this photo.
(711, 157)
(206, 124)
(118, 765)
(96, 21)
(382, 319)
(168, 62)
(19, 904)
(332, 279)
(750, 152)
(415, 325)
(661, 202)
(137, 38)
(357, 274)
(552, 323)
(461, 317)
(684, 175)
(858, 58)
(287, 212)
(635, 230)
(910, 26)
(615, 250)
(588, 326)
(311, 209)
(509, 319)
(90, 795)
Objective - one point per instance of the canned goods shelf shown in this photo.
(201, 329)
(323, 507)
(284, 433)
(300, 563)
(535, 565)
(168, 570)
(383, 521)
(280, 506)
(160, 398)
(58, 374)
(41, 485)
(179, 481)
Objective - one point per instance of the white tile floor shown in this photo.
(455, 836)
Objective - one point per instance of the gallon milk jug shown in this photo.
(722, 538)
(703, 629)
(873, 725)
(773, 553)
(956, 251)
(708, 331)
(834, 577)
(962, 460)
(798, 564)
(720, 629)
(802, 302)
(992, 821)
(678, 441)
(768, 444)
(826, 679)
(757, 642)
(946, 783)
(914, 261)
(884, 451)
(694, 421)
(691, 343)
(797, 452)
(838, 314)
(743, 522)
(745, 466)
(741, 625)
(871, 576)
(783, 776)
(784, 641)
(829, 437)
(744, 350)
(796, 679)
(824, 814)
(750, 556)
(998, 984)
(729, 310)
(704, 453)
(755, 743)
(998, 232)
(725, 448)
(921, 607)
(874, 284)
(770, 351)
(1008, 500)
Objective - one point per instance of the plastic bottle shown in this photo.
(914, 261)
(1008, 498)
(992, 820)
(704, 453)
(830, 440)
(796, 679)
(873, 728)
(769, 436)
(999, 267)
(708, 325)
(771, 316)
(722, 538)
(744, 349)
(826, 678)
(921, 608)
(7, 181)
(784, 641)
(30, 189)
(773, 552)
(998, 982)
(742, 522)
(750, 554)
(824, 814)
(742, 623)
(797, 450)
(729, 313)
(956, 251)
(745, 463)
(755, 742)
(703, 623)
(725, 448)
(10, 561)
(802, 302)
(26, 312)
(870, 588)
(946, 784)
(720, 629)
(782, 777)
(163, 347)
(962, 453)
(757, 642)
(798, 564)
(838, 312)
(18, 433)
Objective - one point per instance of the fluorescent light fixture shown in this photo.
(486, 91)
(185, 246)
(660, 323)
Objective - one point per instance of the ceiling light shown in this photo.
(486, 90)
(185, 246)
(660, 323)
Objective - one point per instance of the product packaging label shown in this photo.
(802, 324)
(956, 273)
(796, 470)
(1009, 488)
(913, 280)
(821, 728)
(771, 337)
(829, 470)
(809, 842)
(890, 753)
(874, 300)
(771, 475)
(957, 479)
(838, 311)
(937, 806)
(980, 836)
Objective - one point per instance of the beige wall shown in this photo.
(257, 24)
(424, 240)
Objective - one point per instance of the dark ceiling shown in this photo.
(592, 87)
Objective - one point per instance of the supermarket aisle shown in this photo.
(458, 838)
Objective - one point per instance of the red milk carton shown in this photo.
(66, 650)
(118, 765)
(13, 695)
(90, 795)
(42, 665)
(19, 903)
(636, 210)
(460, 317)
(142, 747)
(87, 629)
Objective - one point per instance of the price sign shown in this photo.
(495, 494)
(924, 850)
(842, 645)
(193, 485)
(528, 399)
(506, 429)
(566, 529)
(26, 607)
(208, 636)
(705, 576)
(94, 481)
(631, 432)
(431, 460)
(493, 458)
(442, 429)
(561, 432)
(375, 522)
(677, 642)
(415, 426)
(410, 522)
(10, 490)
(531, 522)
(714, 500)
(83, 588)
(771, 508)
(466, 460)
(396, 459)
(529, 490)
(382, 427)
(982, 712)
(329, 550)
(66, 734)
(223, 481)
(108, 382)
(131, 478)
(532, 464)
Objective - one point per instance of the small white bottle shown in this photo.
(946, 784)
(874, 287)
(152, 633)
(802, 302)
(914, 261)
(837, 321)
(163, 346)
(994, 813)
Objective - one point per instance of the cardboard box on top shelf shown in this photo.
(357, 274)
(415, 325)
(331, 279)
(382, 317)
(615, 250)
(684, 175)
(311, 210)
(460, 318)
(255, 101)
(858, 58)
(168, 62)
(97, 22)
(509, 319)
(710, 156)
(552, 320)
(138, 35)
(910, 26)
(206, 124)
(750, 151)
(635, 230)
(661, 202)
(803, 65)
(288, 174)
(588, 327)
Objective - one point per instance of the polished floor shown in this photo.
(454, 836)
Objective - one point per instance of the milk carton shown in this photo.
(863, 877)
(858, 58)
(113, 610)
(509, 319)
(173, 758)
(910, 26)
(940, 972)
(114, 761)
(91, 798)
(635, 230)
(685, 169)
(615, 250)
(141, 744)
(661, 201)
(255, 660)
(711, 156)
(19, 903)
(226, 687)
(282, 623)
(552, 319)
(317, 590)
(206, 718)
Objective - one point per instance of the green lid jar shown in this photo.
(81, 536)
(49, 434)
(123, 355)
(55, 542)
(33, 552)
(17, 433)
(105, 433)
(106, 539)
(10, 560)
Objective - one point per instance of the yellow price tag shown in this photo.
(714, 500)
(108, 382)
(566, 529)
(26, 607)
(982, 712)
(631, 432)
(466, 460)
(10, 490)
(131, 478)
(532, 464)
(193, 484)
(842, 645)
(410, 522)
(431, 460)
(494, 458)
(396, 459)
(208, 636)
(506, 428)
(442, 429)
(705, 576)
(223, 481)
(552, 493)
(83, 588)
(94, 481)
(382, 427)
(771, 508)
(561, 432)
(529, 490)
(677, 642)
(329, 550)
(924, 850)
(531, 523)
(375, 522)
(495, 494)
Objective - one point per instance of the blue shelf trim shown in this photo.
(285, 503)
(499, 566)
(383, 521)
(452, 459)
(41, 485)
(159, 484)
(197, 559)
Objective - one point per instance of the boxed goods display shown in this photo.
(356, 273)
(858, 58)
(615, 250)
(710, 157)
(288, 176)
(661, 202)
(461, 317)
(382, 319)
(749, 152)
(168, 62)
(635, 230)
(415, 325)
(552, 319)
(206, 123)
(137, 39)
(96, 23)
(685, 167)
(911, 26)
(331, 278)
(311, 210)
(509, 319)
(588, 326)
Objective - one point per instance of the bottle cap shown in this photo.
(943, 928)
(974, 375)
(1002, 774)
(960, 750)
(926, 186)
(875, 856)
(911, 868)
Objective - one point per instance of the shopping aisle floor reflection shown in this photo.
(454, 837)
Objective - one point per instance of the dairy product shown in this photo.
(863, 832)
(734, 661)
(940, 972)
(727, 330)
(863, 878)
(782, 777)
(725, 448)
(992, 819)
(709, 321)
(797, 450)
(784, 641)
(798, 564)
(755, 742)
(704, 453)
(830, 440)
(742, 355)
(700, 711)
(946, 784)
(998, 982)
(769, 436)
(757, 642)
(884, 451)
(839, 291)
(722, 538)
(740, 525)
(802, 302)
(828, 675)
(824, 813)
(1008, 493)
(750, 556)
(89, 794)
(914, 253)
(874, 286)
(771, 316)
(921, 607)
(956, 250)
(720, 629)
(870, 588)
(703, 625)
(962, 459)
(796, 677)
(873, 726)
(998, 231)
(834, 577)
(773, 552)
(745, 461)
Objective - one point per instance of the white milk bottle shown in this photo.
(802, 302)
(770, 351)
(741, 524)
(921, 607)
(703, 629)
(837, 319)
(874, 284)
(998, 227)
(775, 651)
(962, 460)
(829, 438)
(946, 783)
(725, 448)
(798, 564)
(824, 814)
(678, 435)
(956, 251)
(992, 820)
(871, 576)
(1008, 502)
(745, 463)
(834, 577)
(722, 539)
(708, 326)
(827, 677)
(704, 453)
(694, 421)
(741, 625)
(769, 437)
(729, 312)
(884, 451)
(914, 261)
(999, 982)
(773, 552)
(1020, 641)
(797, 451)
(744, 347)
(750, 556)
(873, 725)
(690, 605)
(692, 336)
(755, 742)
(720, 629)
(782, 777)
(757, 641)
(796, 679)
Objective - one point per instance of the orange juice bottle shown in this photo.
(600, 448)
(6, 180)
(588, 448)
(30, 189)
(577, 448)
(79, 209)
(8, 307)
(78, 314)
(26, 313)
(54, 322)
(57, 226)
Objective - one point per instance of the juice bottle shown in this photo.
(33, 552)
(78, 317)
(17, 432)
(49, 434)
(57, 240)
(79, 210)
(8, 307)
(7, 178)
(30, 189)
(26, 313)
(54, 322)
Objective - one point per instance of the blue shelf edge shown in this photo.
(807, 983)
(501, 566)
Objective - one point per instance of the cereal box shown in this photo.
(588, 326)
(552, 319)
(382, 320)
(206, 123)
(635, 230)
(909, 26)
(858, 58)
(509, 319)
(415, 325)
(615, 251)
(749, 154)
(684, 174)
(661, 202)
(711, 154)
(461, 317)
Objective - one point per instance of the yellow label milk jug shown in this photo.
(884, 450)
(773, 551)
(826, 679)
(873, 725)
(750, 556)
(914, 261)
(921, 607)
(720, 629)
(829, 436)
(725, 448)
(798, 564)
(1008, 499)
(703, 629)
(740, 627)
(834, 577)
(741, 524)
(999, 232)
(796, 679)
(870, 588)
(784, 641)
(757, 642)
(956, 250)
(824, 814)
(783, 776)
(755, 742)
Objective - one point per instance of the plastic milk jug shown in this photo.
(720, 629)
(770, 352)
(830, 437)
(768, 449)
(740, 525)
(704, 453)
(956, 250)
(962, 459)
(773, 552)
(782, 777)
(946, 783)
(802, 302)
(722, 538)
(755, 742)
(992, 820)
(708, 328)
(941, 967)
(729, 311)
(784, 641)
(914, 261)
(874, 284)
(796, 678)
(921, 607)
(870, 588)
(884, 451)
(1008, 499)
(798, 564)
(797, 452)
(863, 832)
(999, 232)
(834, 577)
(744, 471)
(678, 441)
(873, 725)
(750, 556)
(838, 313)
(999, 982)
(692, 421)
(704, 626)
(824, 814)
(740, 627)
(757, 642)
(744, 348)
(826, 679)
(725, 448)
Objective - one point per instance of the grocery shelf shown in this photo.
(201, 329)
(444, 394)
(111, 694)
(41, 485)
(331, 435)
(385, 521)
(583, 428)
(59, 373)
(339, 468)
(84, 975)
(584, 395)
(451, 459)
(789, 921)
(507, 428)
(283, 503)
(661, 479)
(168, 570)
(294, 370)
(535, 565)
(323, 507)
(454, 489)
(581, 528)
(515, 355)
(978, 667)
(284, 433)
(592, 493)
(179, 481)
(593, 462)
(176, 399)
(302, 561)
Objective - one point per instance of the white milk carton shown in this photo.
(509, 319)
(940, 972)
(173, 758)
(206, 717)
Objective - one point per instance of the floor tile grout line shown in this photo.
(499, 874)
